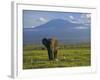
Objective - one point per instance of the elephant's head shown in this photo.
(46, 42)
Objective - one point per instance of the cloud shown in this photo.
(81, 27)
(42, 19)
(33, 26)
(36, 22)
(85, 18)
(74, 21)
(71, 17)
(88, 16)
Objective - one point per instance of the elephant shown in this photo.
(52, 47)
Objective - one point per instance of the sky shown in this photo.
(33, 18)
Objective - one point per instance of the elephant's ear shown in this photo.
(45, 41)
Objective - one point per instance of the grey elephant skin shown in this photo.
(52, 47)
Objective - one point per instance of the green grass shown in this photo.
(67, 57)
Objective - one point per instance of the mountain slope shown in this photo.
(64, 30)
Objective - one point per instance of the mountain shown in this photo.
(63, 30)
(56, 23)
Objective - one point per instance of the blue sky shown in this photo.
(33, 18)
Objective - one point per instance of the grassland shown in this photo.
(35, 56)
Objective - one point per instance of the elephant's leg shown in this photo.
(55, 54)
(50, 54)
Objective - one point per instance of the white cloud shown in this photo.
(71, 17)
(33, 26)
(85, 18)
(81, 27)
(42, 19)
(38, 22)
(88, 16)
(74, 21)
